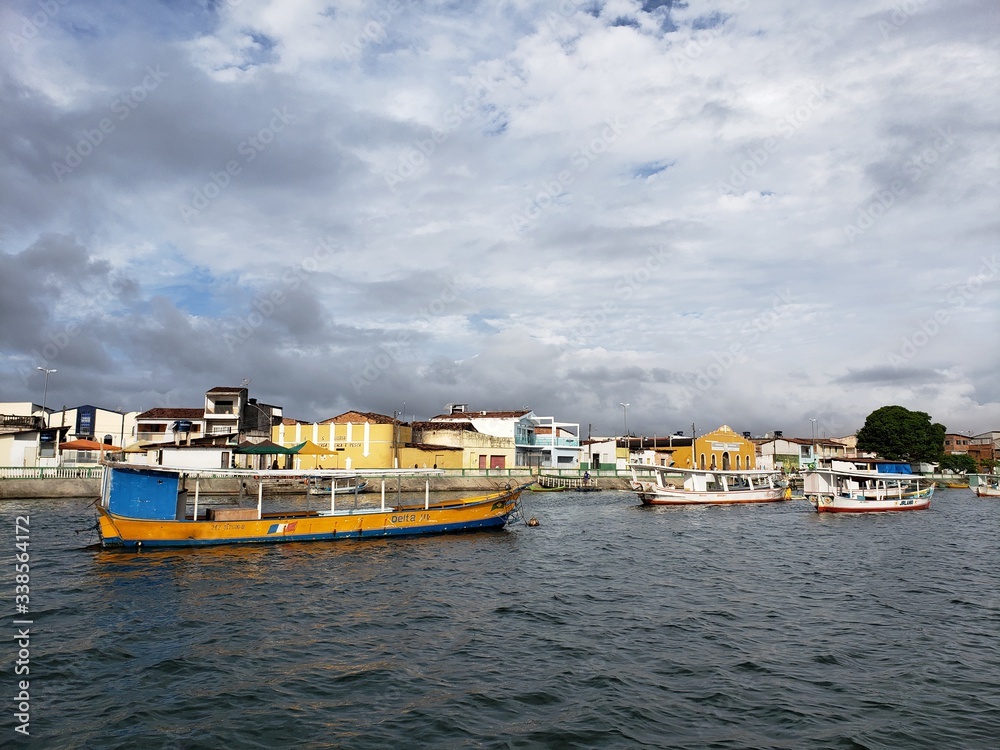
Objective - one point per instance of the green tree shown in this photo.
(898, 434)
(959, 463)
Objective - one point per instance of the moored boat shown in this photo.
(707, 486)
(846, 491)
(985, 485)
(318, 486)
(146, 506)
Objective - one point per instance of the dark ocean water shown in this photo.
(609, 625)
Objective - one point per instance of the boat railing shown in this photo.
(571, 483)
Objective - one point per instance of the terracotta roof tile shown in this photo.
(172, 413)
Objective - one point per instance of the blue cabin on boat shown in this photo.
(135, 493)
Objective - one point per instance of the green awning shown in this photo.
(267, 448)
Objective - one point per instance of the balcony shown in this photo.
(560, 442)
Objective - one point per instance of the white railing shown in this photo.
(51, 472)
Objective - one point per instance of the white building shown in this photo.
(538, 441)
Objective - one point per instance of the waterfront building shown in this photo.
(985, 448)
(797, 454)
(30, 436)
(956, 443)
(721, 449)
(539, 441)
(229, 415)
(653, 451)
(476, 449)
(160, 425)
(600, 454)
(24, 438)
(367, 440)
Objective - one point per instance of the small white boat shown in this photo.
(985, 485)
(707, 486)
(320, 487)
(845, 491)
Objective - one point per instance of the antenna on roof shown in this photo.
(245, 383)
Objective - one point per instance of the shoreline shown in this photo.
(52, 489)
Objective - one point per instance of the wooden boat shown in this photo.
(985, 485)
(707, 486)
(542, 488)
(147, 506)
(846, 491)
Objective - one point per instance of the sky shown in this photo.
(746, 212)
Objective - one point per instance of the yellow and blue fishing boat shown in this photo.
(150, 506)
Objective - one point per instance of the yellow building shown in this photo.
(363, 440)
(722, 449)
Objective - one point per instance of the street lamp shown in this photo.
(625, 415)
(813, 427)
(121, 438)
(45, 391)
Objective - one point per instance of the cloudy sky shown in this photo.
(750, 212)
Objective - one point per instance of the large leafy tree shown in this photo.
(960, 463)
(896, 433)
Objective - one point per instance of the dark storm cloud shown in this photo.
(887, 375)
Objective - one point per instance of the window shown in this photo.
(223, 407)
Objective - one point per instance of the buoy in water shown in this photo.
(532, 521)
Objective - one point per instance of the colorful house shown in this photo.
(365, 440)
(721, 449)
(538, 441)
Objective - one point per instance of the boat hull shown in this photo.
(488, 512)
(987, 492)
(827, 504)
(651, 495)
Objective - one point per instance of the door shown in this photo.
(484, 462)
(497, 462)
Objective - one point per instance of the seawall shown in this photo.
(40, 489)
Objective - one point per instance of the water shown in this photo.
(609, 625)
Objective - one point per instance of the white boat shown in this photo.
(320, 487)
(707, 486)
(985, 485)
(846, 491)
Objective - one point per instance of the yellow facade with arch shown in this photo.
(721, 449)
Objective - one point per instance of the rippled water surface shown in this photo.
(609, 625)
